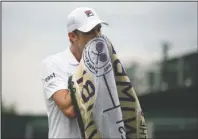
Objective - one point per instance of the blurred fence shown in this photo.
(170, 115)
(174, 128)
(15, 126)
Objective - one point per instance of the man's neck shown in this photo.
(76, 52)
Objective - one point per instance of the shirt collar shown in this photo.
(71, 58)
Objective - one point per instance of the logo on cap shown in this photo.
(89, 13)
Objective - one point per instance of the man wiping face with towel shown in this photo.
(88, 94)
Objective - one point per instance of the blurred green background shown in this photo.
(155, 41)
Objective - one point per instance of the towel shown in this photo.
(105, 102)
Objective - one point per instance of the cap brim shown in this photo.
(88, 27)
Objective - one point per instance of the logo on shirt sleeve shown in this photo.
(51, 76)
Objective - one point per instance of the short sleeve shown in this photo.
(53, 78)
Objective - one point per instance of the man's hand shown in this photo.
(63, 100)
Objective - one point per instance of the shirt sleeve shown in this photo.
(53, 78)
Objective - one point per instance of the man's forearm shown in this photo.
(63, 100)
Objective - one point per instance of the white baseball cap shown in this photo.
(84, 19)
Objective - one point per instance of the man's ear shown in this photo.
(72, 36)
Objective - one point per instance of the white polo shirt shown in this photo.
(55, 73)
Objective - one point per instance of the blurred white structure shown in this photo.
(174, 73)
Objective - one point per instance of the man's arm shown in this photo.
(62, 99)
(55, 83)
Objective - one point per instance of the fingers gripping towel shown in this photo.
(104, 98)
